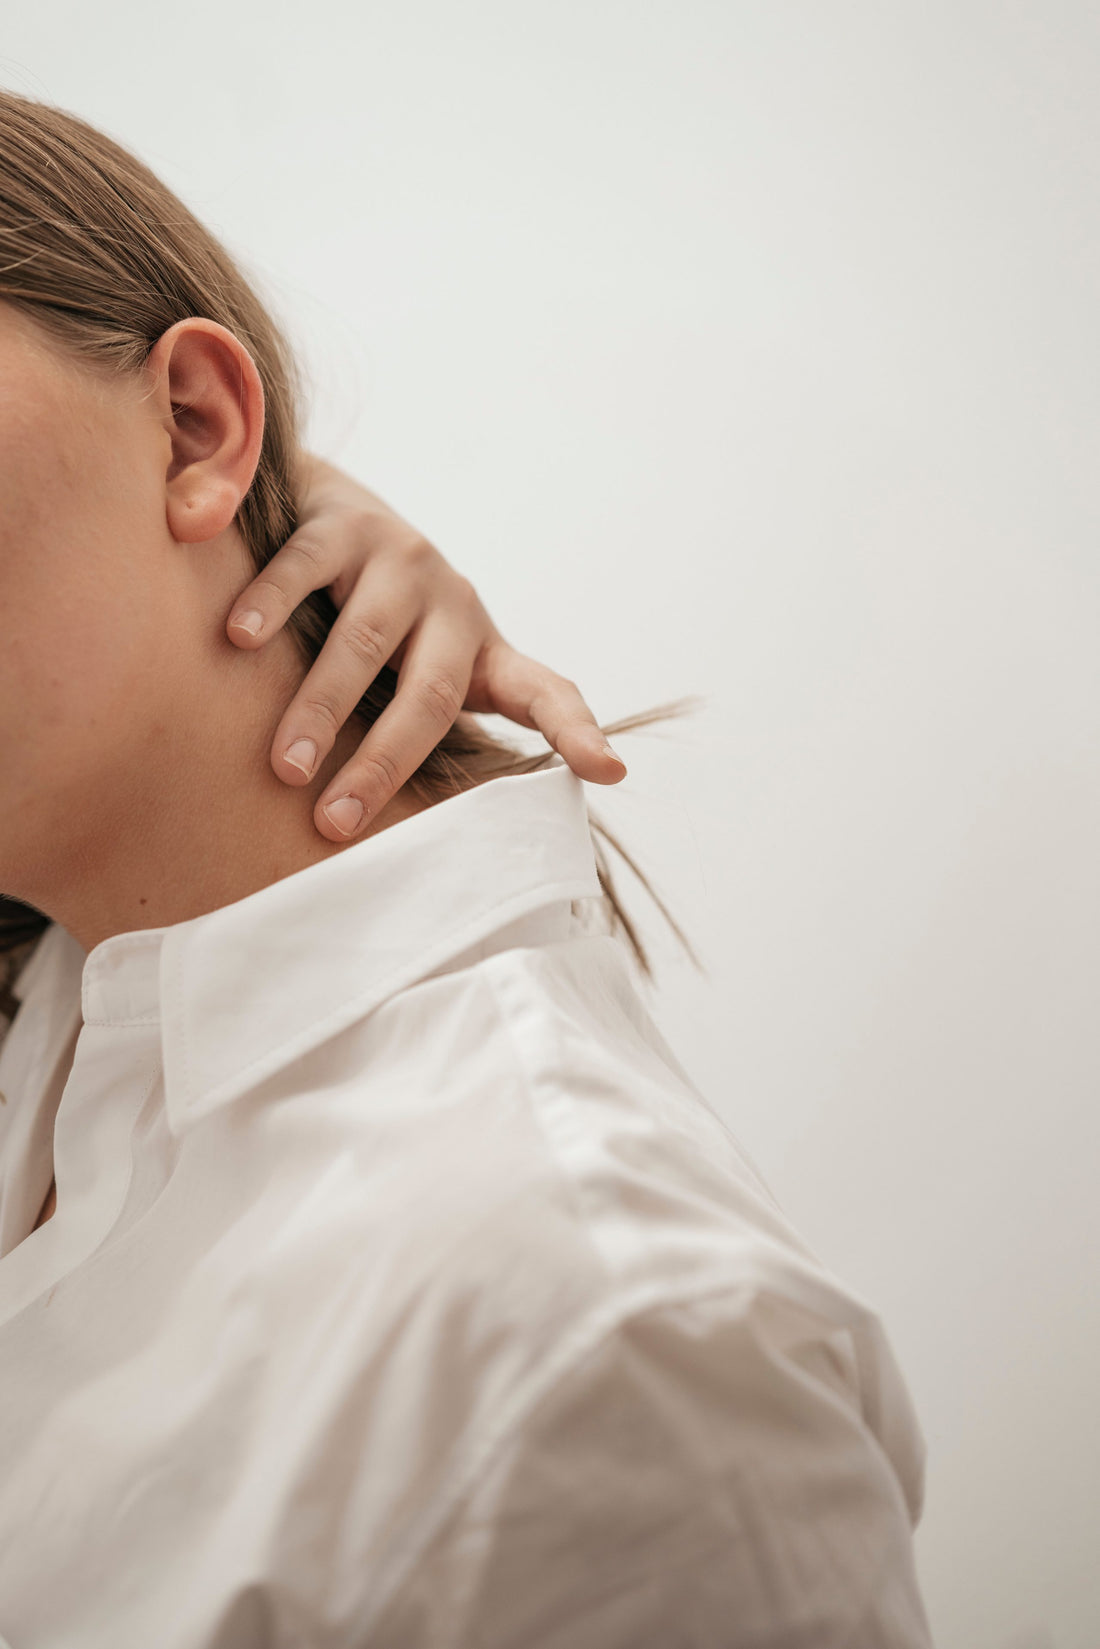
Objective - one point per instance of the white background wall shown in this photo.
(751, 350)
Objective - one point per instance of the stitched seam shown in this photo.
(121, 1024)
(532, 1074)
(591, 1334)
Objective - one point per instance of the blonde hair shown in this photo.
(101, 255)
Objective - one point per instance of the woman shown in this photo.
(401, 1290)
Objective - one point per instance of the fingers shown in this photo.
(304, 563)
(430, 692)
(367, 633)
(400, 600)
(513, 685)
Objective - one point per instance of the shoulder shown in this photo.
(589, 1096)
(696, 1470)
(672, 1216)
(537, 1079)
(554, 1275)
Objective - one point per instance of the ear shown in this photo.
(210, 401)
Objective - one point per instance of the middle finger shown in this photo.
(369, 629)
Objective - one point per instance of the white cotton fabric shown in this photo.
(404, 1292)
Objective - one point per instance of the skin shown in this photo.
(145, 477)
(136, 785)
(400, 602)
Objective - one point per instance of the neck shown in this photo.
(195, 818)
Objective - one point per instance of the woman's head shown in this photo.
(124, 329)
(105, 258)
(116, 307)
(105, 279)
(118, 492)
(142, 483)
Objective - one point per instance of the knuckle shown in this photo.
(467, 593)
(306, 550)
(440, 697)
(367, 641)
(378, 772)
(363, 521)
(321, 706)
(549, 693)
(420, 552)
(268, 580)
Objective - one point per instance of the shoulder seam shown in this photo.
(530, 1077)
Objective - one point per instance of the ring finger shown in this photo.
(431, 688)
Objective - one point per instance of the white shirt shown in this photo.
(403, 1292)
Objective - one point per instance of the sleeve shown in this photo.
(705, 1478)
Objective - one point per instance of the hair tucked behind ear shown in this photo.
(98, 252)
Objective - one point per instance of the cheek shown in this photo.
(73, 688)
(85, 661)
(82, 640)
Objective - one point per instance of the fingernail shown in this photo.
(614, 754)
(344, 814)
(302, 754)
(252, 621)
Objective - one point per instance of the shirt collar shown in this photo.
(241, 991)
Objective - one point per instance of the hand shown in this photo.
(400, 604)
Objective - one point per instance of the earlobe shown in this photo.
(199, 508)
(210, 403)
